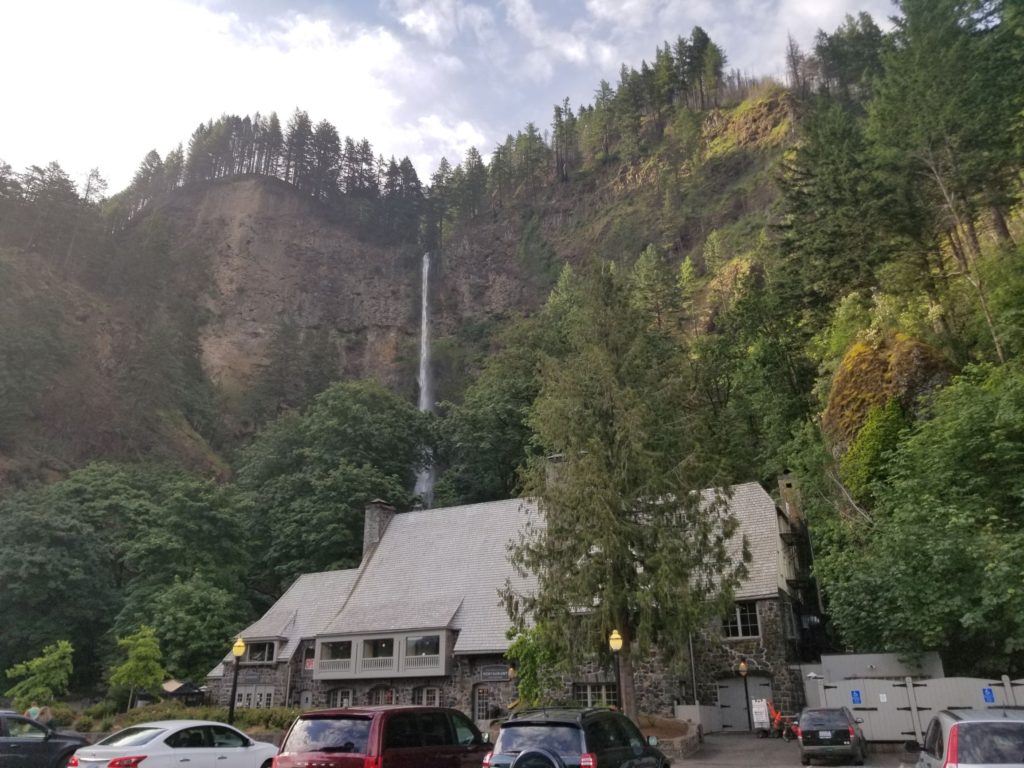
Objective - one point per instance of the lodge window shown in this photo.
(484, 703)
(338, 650)
(426, 696)
(254, 697)
(424, 645)
(382, 695)
(259, 652)
(381, 648)
(339, 697)
(742, 621)
(595, 694)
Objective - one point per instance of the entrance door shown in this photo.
(732, 701)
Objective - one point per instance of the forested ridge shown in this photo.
(824, 276)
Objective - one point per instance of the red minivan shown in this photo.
(382, 737)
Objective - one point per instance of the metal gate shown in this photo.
(732, 700)
(898, 710)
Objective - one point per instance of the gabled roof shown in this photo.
(758, 519)
(307, 605)
(441, 568)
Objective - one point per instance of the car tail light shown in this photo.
(372, 762)
(796, 731)
(588, 760)
(72, 762)
(852, 732)
(953, 748)
(487, 760)
(126, 762)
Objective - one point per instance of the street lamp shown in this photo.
(743, 669)
(615, 643)
(237, 650)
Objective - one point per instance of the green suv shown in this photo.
(573, 738)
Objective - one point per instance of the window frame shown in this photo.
(736, 625)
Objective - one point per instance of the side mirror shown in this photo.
(652, 741)
(858, 720)
(912, 747)
(486, 738)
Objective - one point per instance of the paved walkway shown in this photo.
(744, 750)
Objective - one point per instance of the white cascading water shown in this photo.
(425, 478)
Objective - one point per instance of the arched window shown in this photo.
(382, 695)
(426, 696)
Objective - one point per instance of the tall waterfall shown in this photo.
(425, 479)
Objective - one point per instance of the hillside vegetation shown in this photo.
(825, 277)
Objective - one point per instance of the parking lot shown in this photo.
(743, 750)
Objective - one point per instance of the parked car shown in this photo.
(573, 738)
(27, 743)
(167, 743)
(382, 737)
(986, 737)
(832, 733)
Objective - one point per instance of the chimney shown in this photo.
(375, 521)
(790, 496)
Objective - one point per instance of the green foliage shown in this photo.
(143, 667)
(865, 462)
(195, 620)
(110, 538)
(937, 568)
(537, 653)
(617, 407)
(310, 475)
(42, 679)
(535, 254)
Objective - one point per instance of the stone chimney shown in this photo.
(375, 521)
(790, 496)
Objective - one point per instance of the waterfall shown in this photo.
(425, 478)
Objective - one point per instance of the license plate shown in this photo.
(824, 734)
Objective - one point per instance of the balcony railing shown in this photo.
(335, 665)
(422, 662)
(379, 664)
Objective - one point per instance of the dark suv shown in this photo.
(382, 737)
(573, 738)
(27, 743)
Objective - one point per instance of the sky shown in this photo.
(99, 83)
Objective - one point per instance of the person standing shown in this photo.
(32, 711)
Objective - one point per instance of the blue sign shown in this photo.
(989, 694)
(855, 696)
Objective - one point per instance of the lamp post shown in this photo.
(743, 668)
(615, 643)
(237, 650)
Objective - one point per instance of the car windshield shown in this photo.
(823, 719)
(991, 743)
(329, 734)
(131, 737)
(560, 738)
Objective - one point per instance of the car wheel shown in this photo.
(267, 764)
(537, 758)
(805, 760)
(858, 758)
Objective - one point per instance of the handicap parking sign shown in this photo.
(855, 696)
(989, 695)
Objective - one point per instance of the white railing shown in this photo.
(422, 662)
(335, 665)
(381, 663)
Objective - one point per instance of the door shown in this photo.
(193, 748)
(734, 696)
(469, 744)
(22, 743)
(229, 747)
(402, 744)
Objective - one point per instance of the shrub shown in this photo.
(84, 724)
(61, 715)
(101, 709)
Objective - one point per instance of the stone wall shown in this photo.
(718, 658)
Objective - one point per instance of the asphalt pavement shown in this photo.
(745, 750)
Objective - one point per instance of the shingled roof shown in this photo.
(441, 568)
